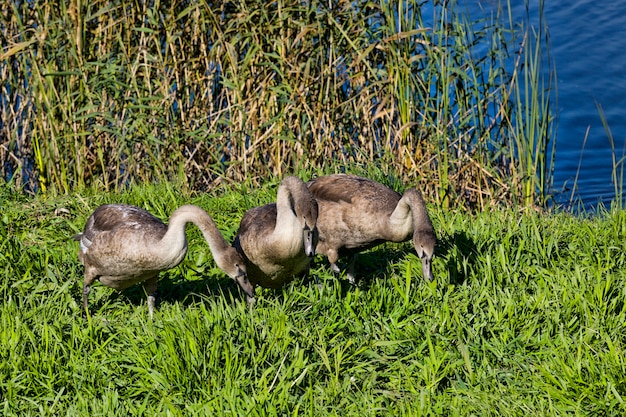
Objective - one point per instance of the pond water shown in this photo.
(588, 47)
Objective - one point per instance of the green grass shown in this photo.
(526, 317)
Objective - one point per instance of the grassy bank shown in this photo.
(526, 317)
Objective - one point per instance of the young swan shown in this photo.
(278, 240)
(357, 213)
(123, 245)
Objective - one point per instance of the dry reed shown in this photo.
(110, 93)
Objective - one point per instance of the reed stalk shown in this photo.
(110, 93)
(617, 165)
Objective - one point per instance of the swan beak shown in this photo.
(310, 241)
(244, 283)
(427, 269)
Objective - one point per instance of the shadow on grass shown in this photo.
(457, 249)
(369, 266)
(174, 288)
(186, 292)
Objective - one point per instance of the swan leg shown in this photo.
(333, 257)
(90, 277)
(350, 273)
(86, 290)
(150, 287)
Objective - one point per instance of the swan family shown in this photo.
(333, 216)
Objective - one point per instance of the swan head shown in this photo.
(309, 238)
(424, 241)
(234, 265)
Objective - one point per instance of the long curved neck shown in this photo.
(285, 206)
(401, 220)
(409, 215)
(174, 242)
(421, 220)
(289, 227)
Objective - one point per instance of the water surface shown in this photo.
(588, 46)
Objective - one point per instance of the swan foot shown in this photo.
(351, 279)
(151, 301)
(150, 286)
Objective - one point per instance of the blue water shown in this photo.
(588, 46)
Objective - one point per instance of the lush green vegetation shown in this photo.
(101, 100)
(526, 316)
(110, 93)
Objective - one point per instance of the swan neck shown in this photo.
(207, 226)
(175, 237)
(289, 227)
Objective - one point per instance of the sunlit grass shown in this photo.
(526, 316)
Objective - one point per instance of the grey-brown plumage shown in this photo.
(278, 240)
(123, 245)
(357, 213)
